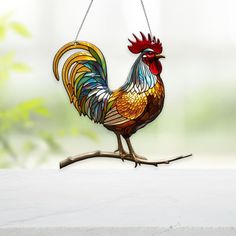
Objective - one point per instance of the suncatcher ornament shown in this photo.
(125, 110)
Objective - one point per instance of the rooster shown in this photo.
(123, 111)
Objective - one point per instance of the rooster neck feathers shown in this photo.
(144, 76)
(140, 78)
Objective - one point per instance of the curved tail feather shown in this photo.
(84, 76)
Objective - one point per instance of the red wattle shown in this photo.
(155, 67)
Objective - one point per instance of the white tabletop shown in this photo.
(142, 201)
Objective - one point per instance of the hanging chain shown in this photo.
(77, 35)
(145, 13)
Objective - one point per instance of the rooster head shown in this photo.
(150, 49)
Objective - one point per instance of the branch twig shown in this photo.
(88, 155)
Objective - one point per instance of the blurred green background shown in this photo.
(39, 127)
(29, 125)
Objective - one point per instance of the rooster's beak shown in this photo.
(158, 56)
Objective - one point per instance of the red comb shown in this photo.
(145, 43)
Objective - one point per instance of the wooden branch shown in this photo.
(88, 155)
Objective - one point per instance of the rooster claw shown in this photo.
(137, 163)
(141, 158)
(138, 160)
(122, 154)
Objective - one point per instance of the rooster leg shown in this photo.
(120, 149)
(132, 153)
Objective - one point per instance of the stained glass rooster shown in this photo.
(124, 111)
